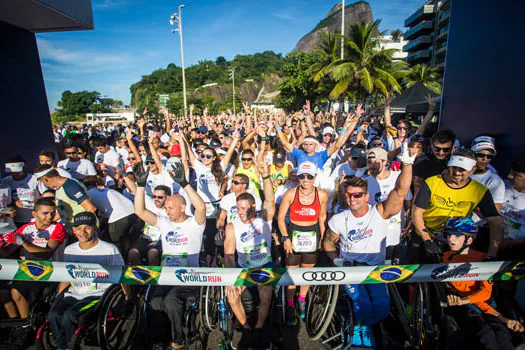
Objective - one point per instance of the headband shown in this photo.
(462, 162)
(43, 173)
(14, 167)
(312, 139)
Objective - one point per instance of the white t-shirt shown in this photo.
(103, 253)
(494, 183)
(181, 242)
(25, 190)
(110, 203)
(164, 178)
(378, 191)
(229, 205)
(513, 213)
(347, 170)
(111, 158)
(79, 169)
(207, 186)
(361, 239)
(253, 242)
(124, 154)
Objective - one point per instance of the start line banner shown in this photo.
(47, 271)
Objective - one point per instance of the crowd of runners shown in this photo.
(265, 189)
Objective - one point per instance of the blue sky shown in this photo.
(132, 38)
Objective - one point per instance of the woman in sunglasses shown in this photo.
(485, 150)
(301, 238)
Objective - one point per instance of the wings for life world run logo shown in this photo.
(390, 274)
(259, 277)
(193, 276)
(34, 270)
(512, 271)
(140, 274)
(449, 271)
(86, 272)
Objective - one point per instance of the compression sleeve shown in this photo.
(423, 197)
(486, 206)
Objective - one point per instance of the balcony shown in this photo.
(419, 56)
(417, 44)
(422, 13)
(443, 34)
(442, 51)
(423, 27)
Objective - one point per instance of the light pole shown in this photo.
(232, 77)
(342, 29)
(176, 18)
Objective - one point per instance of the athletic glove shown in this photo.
(432, 249)
(12, 238)
(219, 236)
(405, 157)
(140, 174)
(178, 174)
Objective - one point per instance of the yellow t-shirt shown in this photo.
(282, 174)
(447, 202)
(250, 172)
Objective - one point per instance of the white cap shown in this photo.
(462, 162)
(328, 130)
(307, 168)
(164, 138)
(14, 167)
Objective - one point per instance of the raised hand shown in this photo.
(141, 175)
(178, 175)
(359, 110)
(431, 101)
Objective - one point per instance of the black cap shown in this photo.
(85, 218)
(279, 157)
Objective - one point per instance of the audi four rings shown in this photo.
(324, 276)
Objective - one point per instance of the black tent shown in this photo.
(412, 100)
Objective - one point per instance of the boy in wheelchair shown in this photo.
(471, 315)
(65, 314)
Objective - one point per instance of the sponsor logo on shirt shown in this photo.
(185, 275)
(176, 238)
(447, 203)
(358, 235)
(84, 272)
(252, 233)
(78, 195)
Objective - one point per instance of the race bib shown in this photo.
(304, 241)
(25, 194)
(180, 260)
(82, 288)
(151, 233)
(212, 210)
(257, 255)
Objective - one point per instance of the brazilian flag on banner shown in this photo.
(259, 277)
(390, 273)
(140, 274)
(514, 270)
(29, 270)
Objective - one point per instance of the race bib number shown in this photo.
(257, 255)
(304, 241)
(83, 288)
(180, 260)
(151, 233)
(26, 195)
(212, 210)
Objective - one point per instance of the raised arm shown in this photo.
(228, 156)
(268, 209)
(134, 150)
(248, 139)
(348, 129)
(154, 153)
(307, 116)
(426, 120)
(393, 204)
(147, 216)
(179, 176)
(287, 145)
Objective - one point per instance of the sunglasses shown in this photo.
(235, 182)
(483, 155)
(131, 158)
(355, 158)
(327, 135)
(207, 156)
(402, 128)
(247, 159)
(354, 195)
(377, 144)
(371, 158)
(72, 152)
(149, 163)
(305, 176)
(441, 149)
(158, 197)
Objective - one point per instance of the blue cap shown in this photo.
(203, 129)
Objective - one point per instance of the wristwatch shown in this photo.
(284, 239)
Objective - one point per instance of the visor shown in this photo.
(462, 162)
(14, 167)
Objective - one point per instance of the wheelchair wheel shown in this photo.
(44, 338)
(193, 330)
(83, 337)
(208, 307)
(340, 332)
(115, 329)
(419, 317)
(320, 306)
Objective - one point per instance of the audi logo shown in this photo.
(324, 276)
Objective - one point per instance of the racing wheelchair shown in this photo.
(103, 323)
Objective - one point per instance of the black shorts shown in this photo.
(208, 239)
(298, 258)
(31, 291)
(144, 245)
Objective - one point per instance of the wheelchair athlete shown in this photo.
(181, 238)
(471, 313)
(65, 314)
(251, 235)
(361, 232)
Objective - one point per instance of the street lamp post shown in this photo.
(342, 29)
(232, 77)
(176, 18)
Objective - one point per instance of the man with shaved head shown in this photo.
(181, 241)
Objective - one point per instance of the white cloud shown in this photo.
(284, 16)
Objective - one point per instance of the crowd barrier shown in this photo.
(29, 270)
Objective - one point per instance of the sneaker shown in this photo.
(368, 336)
(356, 339)
(291, 320)
(301, 306)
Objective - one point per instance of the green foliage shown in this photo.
(396, 35)
(144, 93)
(428, 76)
(73, 105)
(296, 86)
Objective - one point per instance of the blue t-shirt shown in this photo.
(319, 158)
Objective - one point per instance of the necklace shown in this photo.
(305, 195)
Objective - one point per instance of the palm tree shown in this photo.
(364, 69)
(428, 76)
(397, 35)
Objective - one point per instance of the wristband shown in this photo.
(266, 177)
(342, 132)
(284, 239)
(278, 128)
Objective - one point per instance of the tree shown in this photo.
(397, 35)
(428, 76)
(297, 86)
(364, 69)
